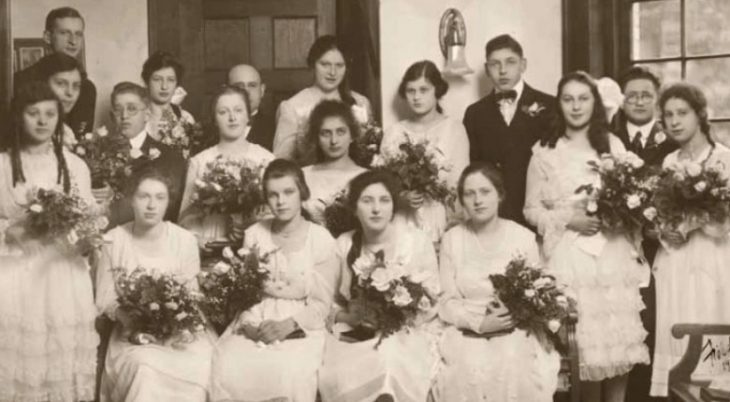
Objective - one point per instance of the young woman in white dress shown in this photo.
(162, 73)
(602, 270)
(692, 278)
(230, 110)
(48, 347)
(173, 370)
(328, 61)
(404, 365)
(502, 367)
(332, 130)
(422, 87)
(273, 350)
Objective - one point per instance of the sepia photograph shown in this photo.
(365, 201)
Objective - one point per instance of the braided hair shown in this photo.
(30, 94)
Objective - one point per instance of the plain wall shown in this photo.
(409, 33)
(116, 39)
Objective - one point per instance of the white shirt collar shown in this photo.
(644, 129)
(518, 88)
(137, 141)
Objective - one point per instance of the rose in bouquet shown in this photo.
(338, 217)
(622, 199)
(688, 196)
(160, 306)
(417, 165)
(55, 216)
(367, 144)
(233, 285)
(536, 303)
(180, 134)
(390, 298)
(229, 186)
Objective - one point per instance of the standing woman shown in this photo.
(328, 61)
(48, 348)
(691, 274)
(230, 110)
(175, 370)
(422, 87)
(273, 350)
(332, 130)
(163, 74)
(601, 269)
(501, 367)
(404, 365)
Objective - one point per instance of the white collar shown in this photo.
(644, 129)
(137, 141)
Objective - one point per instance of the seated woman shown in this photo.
(501, 367)
(152, 372)
(403, 366)
(230, 109)
(332, 130)
(273, 350)
(163, 75)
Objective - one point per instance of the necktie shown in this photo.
(636, 143)
(510, 95)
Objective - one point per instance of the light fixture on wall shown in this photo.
(452, 38)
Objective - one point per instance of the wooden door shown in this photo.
(210, 36)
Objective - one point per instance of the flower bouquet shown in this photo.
(229, 186)
(338, 217)
(689, 195)
(235, 284)
(182, 135)
(367, 144)
(417, 165)
(390, 298)
(536, 303)
(159, 305)
(65, 218)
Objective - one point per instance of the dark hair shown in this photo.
(429, 71)
(59, 13)
(357, 185)
(226, 89)
(322, 45)
(489, 172)
(157, 62)
(151, 173)
(639, 73)
(56, 63)
(279, 168)
(30, 94)
(127, 87)
(694, 97)
(503, 42)
(598, 133)
(324, 110)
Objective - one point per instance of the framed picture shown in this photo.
(28, 51)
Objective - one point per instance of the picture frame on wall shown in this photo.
(27, 51)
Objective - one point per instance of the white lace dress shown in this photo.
(507, 368)
(323, 186)
(47, 337)
(603, 273)
(406, 363)
(692, 283)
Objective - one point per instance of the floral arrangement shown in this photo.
(160, 306)
(622, 200)
(367, 144)
(534, 300)
(689, 195)
(234, 284)
(180, 134)
(338, 217)
(229, 186)
(418, 165)
(65, 218)
(390, 298)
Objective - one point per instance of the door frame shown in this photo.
(6, 50)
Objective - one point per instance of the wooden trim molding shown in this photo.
(6, 50)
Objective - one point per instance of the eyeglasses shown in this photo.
(634, 98)
(132, 110)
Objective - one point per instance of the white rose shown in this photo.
(650, 213)
(363, 266)
(154, 153)
(693, 169)
(660, 137)
(200, 184)
(529, 293)
(181, 316)
(243, 252)
(562, 301)
(542, 282)
(135, 153)
(607, 163)
(402, 297)
(37, 208)
(72, 237)
(88, 136)
(553, 326)
(102, 131)
(592, 207)
(228, 253)
(381, 279)
(178, 132)
(636, 162)
(102, 222)
(360, 114)
(700, 186)
(217, 187)
(80, 151)
(171, 306)
(154, 306)
(424, 303)
(377, 161)
(221, 267)
(633, 201)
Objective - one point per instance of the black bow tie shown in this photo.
(510, 95)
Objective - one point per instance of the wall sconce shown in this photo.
(452, 38)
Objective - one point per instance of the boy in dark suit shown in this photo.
(503, 126)
(262, 123)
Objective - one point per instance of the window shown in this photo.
(687, 40)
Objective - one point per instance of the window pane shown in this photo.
(668, 72)
(721, 132)
(711, 76)
(655, 30)
(707, 22)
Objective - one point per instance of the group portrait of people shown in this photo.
(515, 158)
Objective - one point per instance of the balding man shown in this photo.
(262, 123)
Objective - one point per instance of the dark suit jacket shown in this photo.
(81, 117)
(509, 148)
(653, 154)
(262, 131)
(172, 165)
